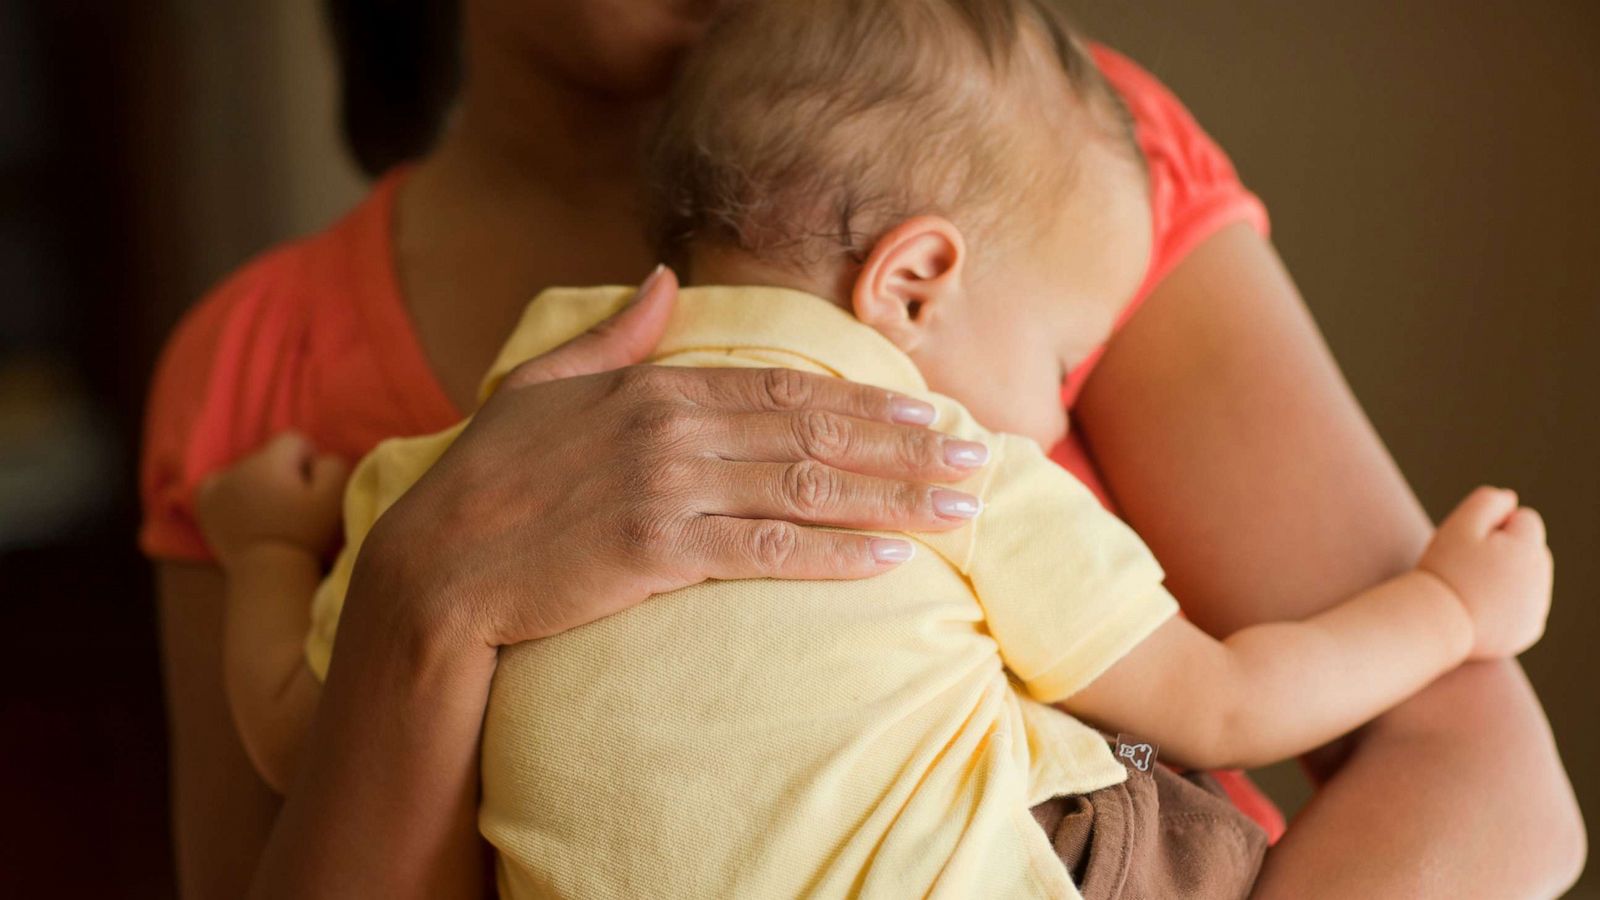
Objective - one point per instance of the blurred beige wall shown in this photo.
(257, 141)
(1433, 172)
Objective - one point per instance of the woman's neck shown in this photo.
(522, 125)
(531, 160)
(531, 185)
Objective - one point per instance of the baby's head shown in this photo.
(954, 172)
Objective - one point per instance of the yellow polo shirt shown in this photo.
(764, 738)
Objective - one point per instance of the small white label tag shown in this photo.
(1139, 754)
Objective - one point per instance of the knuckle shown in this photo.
(646, 531)
(810, 487)
(603, 329)
(656, 425)
(912, 501)
(638, 382)
(522, 375)
(844, 553)
(822, 435)
(917, 450)
(774, 544)
(785, 388)
(657, 482)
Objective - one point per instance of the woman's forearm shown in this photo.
(222, 812)
(1397, 818)
(385, 800)
(1225, 362)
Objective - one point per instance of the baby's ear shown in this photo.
(911, 276)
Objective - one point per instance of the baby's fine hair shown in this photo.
(800, 130)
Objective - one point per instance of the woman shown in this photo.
(1216, 395)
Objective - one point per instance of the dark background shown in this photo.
(1432, 169)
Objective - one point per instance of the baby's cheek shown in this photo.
(1047, 419)
(1033, 402)
(1033, 411)
(1053, 423)
(1061, 425)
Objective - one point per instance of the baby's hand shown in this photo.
(1493, 554)
(283, 494)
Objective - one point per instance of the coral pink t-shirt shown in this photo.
(315, 335)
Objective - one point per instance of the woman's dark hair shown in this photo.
(399, 62)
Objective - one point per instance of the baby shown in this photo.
(939, 197)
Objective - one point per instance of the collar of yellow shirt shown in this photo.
(765, 318)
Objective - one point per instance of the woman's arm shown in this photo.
(394, 740)
(1229, 438)
(384, 802)
(222, 811)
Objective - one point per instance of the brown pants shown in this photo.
(1156, 835)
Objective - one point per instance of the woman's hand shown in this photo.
(572, 496)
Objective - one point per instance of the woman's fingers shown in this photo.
(750, 548)
(856, 445)
(779, 390)
(811, 493)
(622, 340)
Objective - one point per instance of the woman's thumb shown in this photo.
(622, 340)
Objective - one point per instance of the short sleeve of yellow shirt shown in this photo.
(1066, 587)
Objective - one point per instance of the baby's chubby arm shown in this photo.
(1272, 691)
(268, 519)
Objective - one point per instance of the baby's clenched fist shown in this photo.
(1493, 554)
(284, 494)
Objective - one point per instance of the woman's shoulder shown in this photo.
(318, 275)
(1192, 177)
(1154, 107)
(234, 368)
(1195, 188)
(1195, 191)
(268, 286)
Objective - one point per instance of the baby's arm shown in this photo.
(1276, 690)
(269, 518)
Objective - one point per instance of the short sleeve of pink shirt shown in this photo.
(1194, 190)
(1194, 193)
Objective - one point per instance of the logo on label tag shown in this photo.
(1139, 754)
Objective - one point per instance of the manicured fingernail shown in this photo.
(890, 550)
(956, 505)
(907, 411)
(651, 279)
(965, 454)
